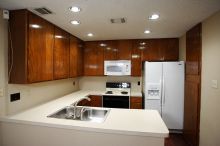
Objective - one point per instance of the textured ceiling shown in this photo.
(176, 16)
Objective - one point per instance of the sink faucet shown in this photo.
(76, 103)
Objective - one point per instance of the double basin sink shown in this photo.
(80, 113)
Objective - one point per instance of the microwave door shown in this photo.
(114, 70)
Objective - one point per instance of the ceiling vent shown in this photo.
(43, 11)
(118, 20)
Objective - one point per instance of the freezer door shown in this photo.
(152, 85)
(173, 94)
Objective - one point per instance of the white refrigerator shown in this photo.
(164, 91)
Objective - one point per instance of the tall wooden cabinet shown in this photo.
(61, 54)
(30, 48)
(193, 85)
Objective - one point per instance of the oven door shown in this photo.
(116, 101)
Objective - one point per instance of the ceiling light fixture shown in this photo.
(147, 31)
(154, 17)
(75, 22)
(75, 9)
(90, 34)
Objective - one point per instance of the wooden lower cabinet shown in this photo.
(96, 101)
(136, 102)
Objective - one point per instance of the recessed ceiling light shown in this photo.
(75, 9)
(90, 34)
(75, 22)
(154, 17)
(147, 31)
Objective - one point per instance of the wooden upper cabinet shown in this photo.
(76, 57)
(151, 50)
(73, 57)
(161, 50)
(40, 49)
(61, 54)
(93, 59)
(110, 50)
(32, 46)
(169, 49)
(124, 49)
(80, 58)
(117, 49)
(136, 61)
(193, 47)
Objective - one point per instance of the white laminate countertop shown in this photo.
(121, 121)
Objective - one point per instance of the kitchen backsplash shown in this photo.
(38, 93)
(98, 83)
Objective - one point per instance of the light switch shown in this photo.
(1, 92)
(215, 84)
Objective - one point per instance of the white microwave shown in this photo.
(117, 68)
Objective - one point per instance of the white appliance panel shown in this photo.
(168, 79)
(173, 94)
(153, 76)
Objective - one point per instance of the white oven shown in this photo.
(117, 68)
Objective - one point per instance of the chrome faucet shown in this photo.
(75, 105)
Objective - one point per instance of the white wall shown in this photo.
(3, 62)
(182, 48)
(94, 83)
(31, 95)
(210, 97)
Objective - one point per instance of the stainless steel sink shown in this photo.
(87, 114)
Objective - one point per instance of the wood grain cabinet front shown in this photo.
(136, 102)
(40, 51)
(76, 57)
(93, 59)
(96, 100)
(30, 48)
(61, 54)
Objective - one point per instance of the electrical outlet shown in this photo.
(1, 92)
(139, 83)
(74, 83)
(15, 97)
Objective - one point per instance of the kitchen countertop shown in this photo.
(121, 121)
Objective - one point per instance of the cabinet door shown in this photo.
(136, 103)
(76, 57)
(40, 49)
(169, 49)
(93, 59)
(136, 61)
(111, 50)
(124, 49)
(61, 54)
(80, 59)
(152, 50)
(96, 101)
